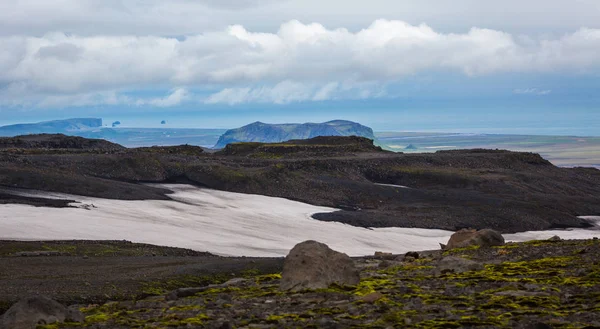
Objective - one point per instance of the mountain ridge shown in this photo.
(51, 127)
(275, 133)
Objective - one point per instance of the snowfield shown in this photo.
(222, 223)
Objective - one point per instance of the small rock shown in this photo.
(372, 297)
(33, 311)
(328, 323)
(412, 254)
(187, 292)
(383, 255)
(225, 325)
(555, 238)
(235, 281)
(384, 264)
(521, 293)
(452, 264)
(313, 265)
(539, 325)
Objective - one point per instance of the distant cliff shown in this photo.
(275, 133)
(50, 127)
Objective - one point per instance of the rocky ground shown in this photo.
(506, 191)
(539, 284)
(97, 271)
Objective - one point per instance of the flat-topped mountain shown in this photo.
(51, 127)
(276, 133)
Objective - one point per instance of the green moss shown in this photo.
(367, 286)
(185, 308)
(460, 250)
(197, 320)
(99, 317)
(157, 288)
(267, 278)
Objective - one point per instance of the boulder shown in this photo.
(33, 311)
(466, 238)
(452, 264)
(383, 255)
(313, 265)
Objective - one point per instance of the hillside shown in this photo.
(276, 133)
(507, 191)
(57, 142)
(51, 127)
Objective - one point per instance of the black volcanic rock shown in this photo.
(318, 146)
(58, 141)
(275, 133)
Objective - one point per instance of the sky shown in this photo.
(508, 66)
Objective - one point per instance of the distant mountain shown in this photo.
(275, 133)
(51, 127)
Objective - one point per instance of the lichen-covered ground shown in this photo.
(539, 284)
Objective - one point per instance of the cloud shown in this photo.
(532, 91)
(287, 92)
(190, 17)
(178, 96)
(299, 62)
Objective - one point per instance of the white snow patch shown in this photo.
(220, 222)
(392, 185)
(223, 223)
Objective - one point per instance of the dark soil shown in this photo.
(97, 271)
(539, 284)
(506, 191)
(7, 198)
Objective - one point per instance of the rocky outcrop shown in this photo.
(33, 311)
(452, 264)
(313, 265)
(466, 238)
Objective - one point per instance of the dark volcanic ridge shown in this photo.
(503, 190)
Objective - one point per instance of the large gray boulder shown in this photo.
(467, 238)
(33, 311)
(313, 265)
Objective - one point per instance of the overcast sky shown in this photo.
(87, 57)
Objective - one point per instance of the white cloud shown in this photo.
(287, 92)
(299, 62)
(189, 17)
(532, 91)
(178, 96)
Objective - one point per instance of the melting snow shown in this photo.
(223, 223)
